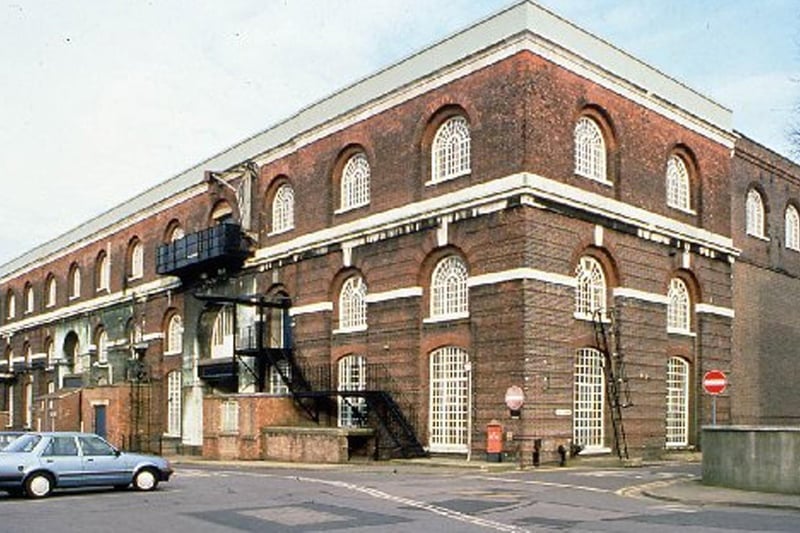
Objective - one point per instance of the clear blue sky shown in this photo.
(101, 99)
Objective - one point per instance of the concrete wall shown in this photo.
(765, 459)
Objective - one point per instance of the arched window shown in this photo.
(102, 346)
(352, 377)
(450, 151)
(175, 334)
(102, 272)
(11, 304)
(792, 223)
(74, 281)
(174, 232)
(136, 258)
(588, 400)
(353, 304)
(50, 291)
(222, 334)
(679, 307)
(449, 293)
(678, 184)
(754, 214)
(590, 150)
(222, 213)
(50, 350)
(449, 400)
(174, 403)
(283, 209)
(355, 182)
(677, 402)
(590, 294)
(29, 300)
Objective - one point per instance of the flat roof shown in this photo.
(524, 18)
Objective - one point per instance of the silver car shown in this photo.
(36, 463)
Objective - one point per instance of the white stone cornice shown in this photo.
(519, 274)
(635, 294)
(407, 292)
(715, 310)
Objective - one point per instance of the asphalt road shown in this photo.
(388, 498)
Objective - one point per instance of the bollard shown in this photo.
(537, 449)
(562, 452)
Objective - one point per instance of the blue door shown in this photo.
(100, 420)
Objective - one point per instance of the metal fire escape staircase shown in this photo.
(606, 331)
(255, 348)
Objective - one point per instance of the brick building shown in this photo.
(521, 204)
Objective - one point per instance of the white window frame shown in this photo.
(590, 290)
(51, 291)
(276, 383)
(103, 270)
(174, 403)
(355, 182)
(754, 214)
(174, 335)
(353, 305)
(590, 150)
(11, 406)
(176, 233)
(229, 416)
(50, 350)
(30, 302)
(450, 150)
(222, 334)
(28, 394)
(137, 260)
(679, 307)
(677, 417)
(102, 347)
(75, 282)
(352, 377)
(792, 223)
(283, 209)
(11, 304)
(450, 400)
(449, 290)
(678, 184)
(588, 412)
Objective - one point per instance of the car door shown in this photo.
(102, 464)
(60, 456)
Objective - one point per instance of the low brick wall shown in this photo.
(316, 445)
(765, 459)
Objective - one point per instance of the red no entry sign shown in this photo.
(514, 398)
(715, 382)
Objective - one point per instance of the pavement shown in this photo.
(684, 490)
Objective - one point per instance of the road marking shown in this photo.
(543, 484)
(381, 495)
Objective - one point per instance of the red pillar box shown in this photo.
(494, 442)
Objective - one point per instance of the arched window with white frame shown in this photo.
(283, 209)
(677, 422)
(222, 334)
(102, 272)
(355, 182)
(678, 184)
(590, 292)
(450, 400)
(74, 281)
(136, 258)
(50, 291)
(102, 346)
(29, 299)
(174, 403)
(679, 307)
(352, 377)
(588, 429)
(590, 150)
(754, 215)
(449, 292)
(450, 150)
(353, 304)
(792, 223)
(175, 334)
(11, 304)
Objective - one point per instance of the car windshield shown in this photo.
(25, 443)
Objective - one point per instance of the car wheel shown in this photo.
(38, 485)
(145, 480)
